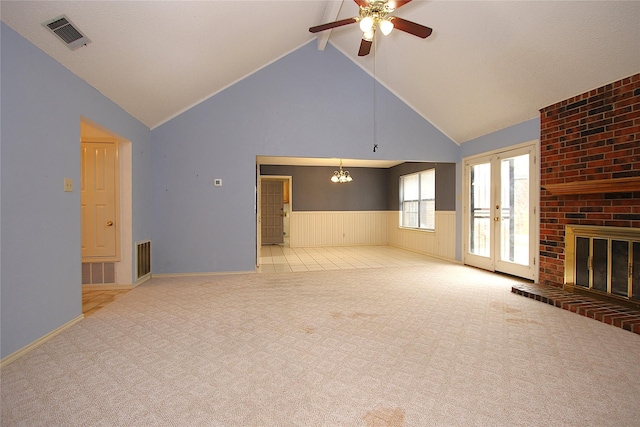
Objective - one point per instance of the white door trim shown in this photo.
(124, 268)
(534, 233)
(258, 210)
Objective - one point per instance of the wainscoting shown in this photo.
(339, 228)
(440, 243)
(311, 229)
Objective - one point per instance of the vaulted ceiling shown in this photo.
(487, 65)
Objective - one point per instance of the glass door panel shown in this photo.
(635, 274)
(480, 227)
(478, 222)
(600, 264)
(620, 267)
(583, 253)
(514, 211)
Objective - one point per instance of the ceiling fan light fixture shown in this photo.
(374, 15)
(368, 35)
(386, 26)
(366, 24)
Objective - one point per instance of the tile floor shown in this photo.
(94, 299)
(277, 259)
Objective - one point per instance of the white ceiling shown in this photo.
(488, 64)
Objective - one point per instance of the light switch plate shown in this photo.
(68, 184)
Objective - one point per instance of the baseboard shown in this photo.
(115, 287)
(141, 280)
(24, 350)
(219, 273)
(454, 261)
(106, 287)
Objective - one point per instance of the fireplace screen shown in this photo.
(583, 275)
(620, 267)
(605, 259)
(636, 271)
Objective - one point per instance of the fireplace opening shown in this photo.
(604, 260)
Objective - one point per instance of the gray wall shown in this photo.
(313, 190)
(445, 183)
(42, 103)
(371, 189)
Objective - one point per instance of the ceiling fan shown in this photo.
(376, 13)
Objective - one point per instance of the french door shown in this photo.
(500, 223)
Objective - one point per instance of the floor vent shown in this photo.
(98, 273)
(143, 259)
(67, 32)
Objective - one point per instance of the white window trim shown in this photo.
(400, 212)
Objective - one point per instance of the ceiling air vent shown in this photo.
(68, 33)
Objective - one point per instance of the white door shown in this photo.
(99, 200)
(500, 208)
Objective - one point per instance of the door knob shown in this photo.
(109, 223)
(496, 219)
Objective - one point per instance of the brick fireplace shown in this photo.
(589, 168)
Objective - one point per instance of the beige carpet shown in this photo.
(431, 345)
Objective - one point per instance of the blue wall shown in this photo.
(42, 103)
(512, 135)
(310, 104)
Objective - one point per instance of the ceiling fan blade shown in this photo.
(362, 3)
(365, 47)
(411, 27)
(397, 4)
(331, 25)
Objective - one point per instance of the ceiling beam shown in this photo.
(330, 14)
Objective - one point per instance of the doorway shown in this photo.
(500, 211)
(273, 211)
(106, 231)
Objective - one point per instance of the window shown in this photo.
(418, 200)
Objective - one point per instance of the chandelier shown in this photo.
(341, 176)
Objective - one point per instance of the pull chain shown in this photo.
(375, 125)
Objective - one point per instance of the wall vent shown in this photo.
(98, 273)
(67, 32)
(143, 259)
